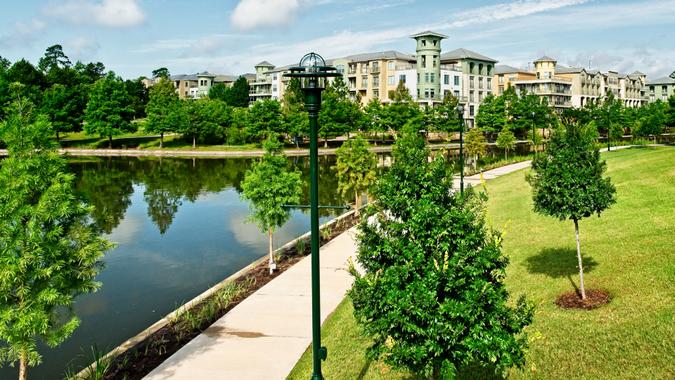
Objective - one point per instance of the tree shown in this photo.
(109, 110)
(238, 94)
(401, 109)
(270, 187)
(162, 72)
(65, 107)
(296, 120)
(163, 109)
(139, 96)
(671, 112)
(265, 118)
(651, 119)
(491, 116)
(506, 140)
(567, 181)
(448, 118)
(475, 145)
(218, 91)
(338, 114)
(207, 120)
(356, 169)
(49, 250)
(432, 298)
(609, 116)
(374, 118)
(91, 72)
(53, 58)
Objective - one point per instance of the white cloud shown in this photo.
(82, 48)
(251, 14)
(111, 13)
(24, 34)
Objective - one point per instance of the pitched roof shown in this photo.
(205, 74)
(428, 33)
(264, 64)
(184, 77)
(225, 78)
(388, 54)
(545, 59)
(465, 54)
(506, 69)
(568, 69)
(636, 72)
(663, 80)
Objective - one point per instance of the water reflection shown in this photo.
(180, 226)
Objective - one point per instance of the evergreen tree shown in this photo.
(355, 168)
(163, 109)
(567, 181)
(161, 72)
(238, 94)
(270, 186)
(432, 298)
(109, 110)
(49, 250)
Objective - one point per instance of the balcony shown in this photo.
(375, 69)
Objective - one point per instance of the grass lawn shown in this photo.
(628, 251)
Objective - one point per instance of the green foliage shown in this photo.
(475, 143)
(219, 92)
(491, 115)
(264, 118)
(432, 298)
(65, 107)
(448, 120)
(296, 120)
(109, 110)
(139, 96)
(269, 185)
(207, 120)
(651, 119)
(670, 114)
(339, 114)
(164, 109)
(237, 95)
(161, 72)
(374, 118)
(53, 58)
(401, 110)
(356, 168)
(49, 251)
(567, 180)
(506, 140)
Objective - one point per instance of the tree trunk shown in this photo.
(194, 141)
(161, 140)
(506, 151)
(110, 142)
(57, 135)
(23, 367)
(325, 142)
(356, 203)
(272, 264)
(581, 268)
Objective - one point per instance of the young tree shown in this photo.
(491, 116)
(49, 250)
(609, 116)
(506, 140)
(109, 110)
(356, 169)
(433, 298)
(162, 109)
(237, 95)
(401, 110)
(270, 187)
(475, 145)
(296, 121)
(374, 118)
(448, 118)
(567, 181)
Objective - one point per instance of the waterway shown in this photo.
(180, 226)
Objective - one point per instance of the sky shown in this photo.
(133, 37)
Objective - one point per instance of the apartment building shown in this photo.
(195, 86)
(505, 76)
(261, 86)
(555, 89)
(661, 88)
(587, 85)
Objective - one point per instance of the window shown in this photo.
(426, 93)
(376, 81)
(480, 96)
(501, 89)
(489, 83)
(446, 79)
(456, 80)
(340, 69)
(418, 77)
(418, 93)
(376, 67)
(432, 76)
(480, 69)
(401, 78)
(489, 70)
(435, 58)
(376, 94)
(274, 88)
(426, 77)
(471, 82)
(364, 82)
(424, 61)
(470, 110)
(456, 93)
(501, 79)
(432, 93)
(274, 77)
(471, 96)
(424, 43)
(391, 65)
(391, 80)
(435, 42)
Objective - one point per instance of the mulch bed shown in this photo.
(594, 299)
(139, 361)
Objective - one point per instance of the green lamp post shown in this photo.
(313, 74)
(460, 112)
(534, 147)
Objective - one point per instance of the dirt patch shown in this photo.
(149, 354)
(594, 299)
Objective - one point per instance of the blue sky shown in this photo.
(133, 37)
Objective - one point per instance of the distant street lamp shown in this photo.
(460, 112)
(313, 74)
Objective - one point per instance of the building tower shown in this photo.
(545, 67)
(428, 55)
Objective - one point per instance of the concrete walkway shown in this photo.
(265, 335)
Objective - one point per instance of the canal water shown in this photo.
(180, 226)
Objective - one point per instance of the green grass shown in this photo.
(628, 251)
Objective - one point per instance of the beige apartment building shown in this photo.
(555, 89)
(505, 76)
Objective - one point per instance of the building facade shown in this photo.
(661, 88)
